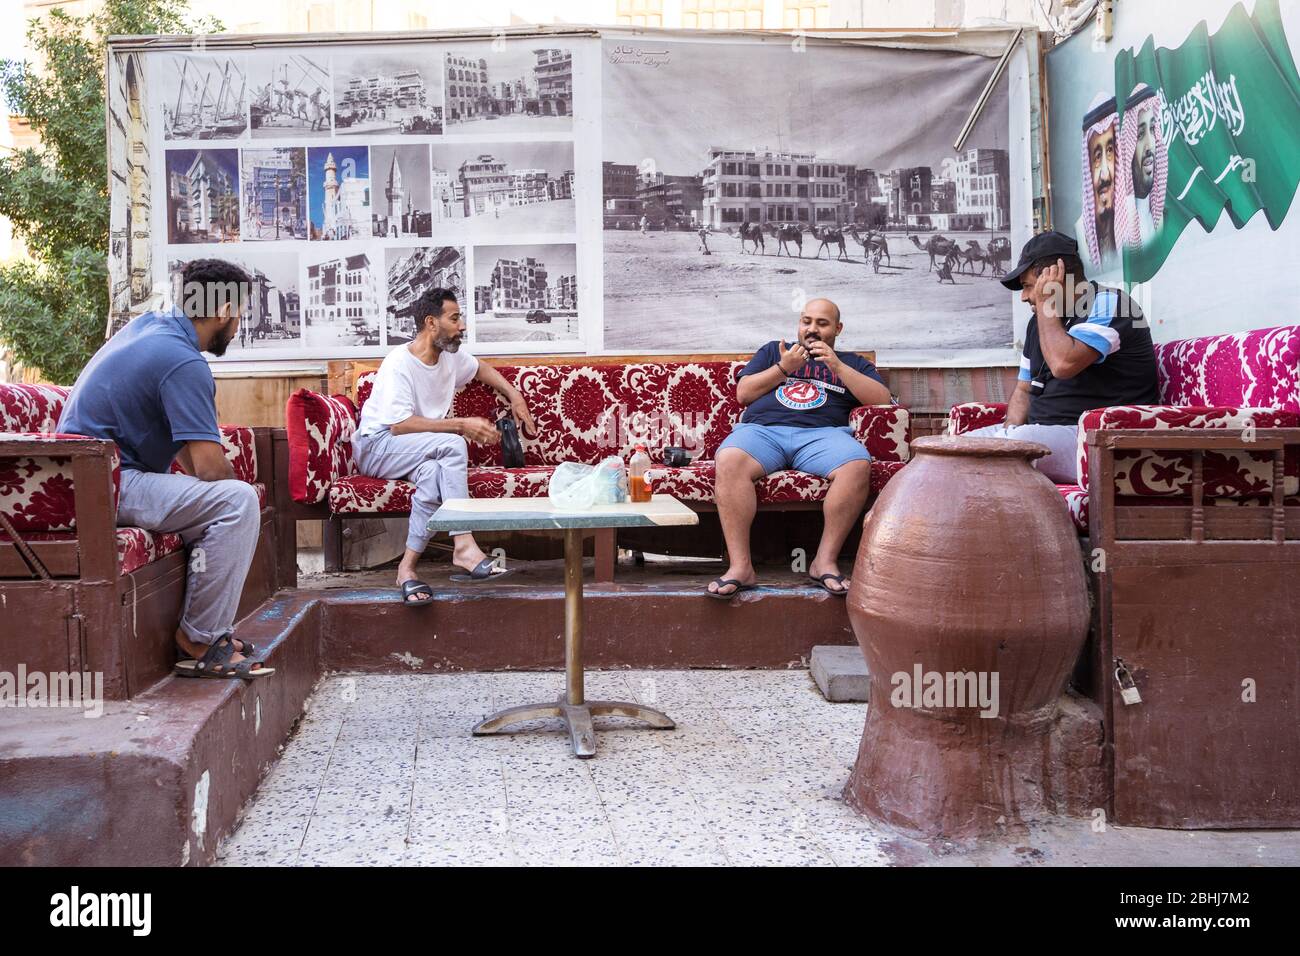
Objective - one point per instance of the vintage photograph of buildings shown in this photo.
(290, 95)
(399, 207)
(203, 97)
(273, 187)
(341, 295)
(526, 293)
(387, 93)
(273, 319)
(202, 195)
(338, 180)
(505, 188)
(521, 87)
(412, 270)
(797, 189)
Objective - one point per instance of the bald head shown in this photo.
(820, 319)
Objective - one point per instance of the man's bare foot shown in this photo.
(404, 574)
(742, 573)
(468, 555)
(820, 568)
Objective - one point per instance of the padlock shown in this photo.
(1128, 691)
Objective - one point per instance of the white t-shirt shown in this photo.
(405, 386)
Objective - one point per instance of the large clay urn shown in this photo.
(969, 569)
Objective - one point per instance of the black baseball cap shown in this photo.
(1043, 246)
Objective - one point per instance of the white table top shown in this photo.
(533, 514)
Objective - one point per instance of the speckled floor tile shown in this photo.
(565, 791)
(546, 818)
(462, 853)
(595, 850)
(671, 849)
(433, 822)
(646, 819)
(796, 850)
(332, 832)
(378, 797)
(389, 851)
(257, 855)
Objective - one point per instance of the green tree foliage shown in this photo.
(54, 307)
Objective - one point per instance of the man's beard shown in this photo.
(219, 344)
(1142, 180)
(447, 344)
(1106, 229)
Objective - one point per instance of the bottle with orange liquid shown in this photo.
(638, 478)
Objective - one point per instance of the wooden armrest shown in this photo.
(1192, 439)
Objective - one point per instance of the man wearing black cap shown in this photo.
(1086, 347)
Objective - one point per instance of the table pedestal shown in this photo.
(573, 707)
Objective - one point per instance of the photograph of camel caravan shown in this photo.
(753, 175)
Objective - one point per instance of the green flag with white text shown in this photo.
(1213, 125)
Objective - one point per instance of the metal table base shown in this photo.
(573, 707)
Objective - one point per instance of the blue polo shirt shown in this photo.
(148, 389)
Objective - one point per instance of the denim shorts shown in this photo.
(817, 451)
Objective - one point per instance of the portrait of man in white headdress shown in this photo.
(1095, 230)
(1142, 170)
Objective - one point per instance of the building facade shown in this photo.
(553, 75)
(519, 285)
(672, 200)
(762, 186)
(485, 184)
(345, 212)
(425, 268)
(465, 92)
(528, 186)
(984, 186)
(342, 293)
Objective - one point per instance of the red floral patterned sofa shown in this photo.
(59, 493)
(583, 413)
(1242, 380)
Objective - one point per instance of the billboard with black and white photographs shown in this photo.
(525, 294)
(203, 97)
(761, 174)
(392, 93)
(585, 191)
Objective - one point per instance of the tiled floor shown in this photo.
(382, 771)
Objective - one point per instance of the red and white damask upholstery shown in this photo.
(1258, 369)
(36, 493)
(969, 416)
(583, 413)
(319, 429)
(1229, 474)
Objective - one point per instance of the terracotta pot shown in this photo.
(969, 568)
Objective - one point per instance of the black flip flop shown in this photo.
(821, 583)
(482, 572)
(215, 664)
(413, 587)
(722, 583)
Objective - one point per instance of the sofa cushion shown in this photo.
(1076, 500)
(489, 481)
(969, 416)
(361, 494)
(1227, 474)
(884, 430)
(1259, 369)
(31, 408)
(695, 483)
(135, 546)
(319, 429)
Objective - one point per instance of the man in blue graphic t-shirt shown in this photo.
(797, 400)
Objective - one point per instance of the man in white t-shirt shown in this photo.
(405, 432)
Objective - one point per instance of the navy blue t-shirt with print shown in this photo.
(813, 397)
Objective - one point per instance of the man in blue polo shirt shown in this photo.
(797, 400)
(149, 389)
(1087, 346)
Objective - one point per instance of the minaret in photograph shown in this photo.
(393, 192)
(331, 195)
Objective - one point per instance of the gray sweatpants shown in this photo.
(437, 463)
(1062, 464)
(219, 523)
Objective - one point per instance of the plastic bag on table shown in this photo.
(576, 487)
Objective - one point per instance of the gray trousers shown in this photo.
(1062, 464)
(219, 522)
(437, 463)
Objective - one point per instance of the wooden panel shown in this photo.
(1193, 753)
(1225, 523)
(59, 558)
(259, 398)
